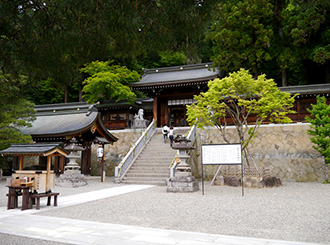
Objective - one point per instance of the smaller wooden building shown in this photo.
(307, 96)
(120, 115)
(42, 178)
(61, 123)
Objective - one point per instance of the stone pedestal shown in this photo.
(139, 123)
(71, 179)
(72, 176)
(182, 183)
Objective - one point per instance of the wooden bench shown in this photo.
(14, 192)
(40, 195)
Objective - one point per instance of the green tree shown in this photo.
(305, 28)
(320, 130)
(241, 34)
(15, 112)
(108, 82)
(44, 92)
(238, 98)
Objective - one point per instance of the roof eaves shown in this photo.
(178, 68)
(175, 82)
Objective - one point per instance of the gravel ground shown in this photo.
(293, 212)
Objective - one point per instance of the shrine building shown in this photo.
(172, 88)
(61, 123)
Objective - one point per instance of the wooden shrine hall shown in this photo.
(172, 88)
(63, 122)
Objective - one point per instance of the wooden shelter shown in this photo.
(62, 122)
(42, 180)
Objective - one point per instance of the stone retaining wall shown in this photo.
(285, 149)
(114, 153)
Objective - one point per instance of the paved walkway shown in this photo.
(28, 224)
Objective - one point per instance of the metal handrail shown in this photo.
(129, 158)
(190, 135)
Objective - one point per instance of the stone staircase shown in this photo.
(151, 166)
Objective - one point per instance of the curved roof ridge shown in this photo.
(178, 68)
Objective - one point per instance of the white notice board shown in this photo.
(222, 154)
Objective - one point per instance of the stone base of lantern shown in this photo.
(182, 182)
(71, 178)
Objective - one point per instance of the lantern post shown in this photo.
(100, 155)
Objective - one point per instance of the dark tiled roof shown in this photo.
(144, 103)
(178, 74)
(33, 149)
(60, 120)
(307, 89)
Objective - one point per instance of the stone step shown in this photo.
(158, 148)
(134, 178)
(146, 182)
(156, 154)
(155, 158)
(152, 165)
(148, 160)
(147, 175)
(142, 171)
(157, 166)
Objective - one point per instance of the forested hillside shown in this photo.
(48, 43)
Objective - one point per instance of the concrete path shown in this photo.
(28, 224)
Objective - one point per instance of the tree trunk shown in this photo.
(66, 93)
(255, 71)
(80, 94)
(284, 81)
(327, 72)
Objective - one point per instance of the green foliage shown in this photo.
(241, 34)
(108, 82)
(240, 97)
(15, 112)
(278, 38)
(44, 92)
(304, 31)
(320, 127)
(54, 39)
(320, 130)
(171, 58)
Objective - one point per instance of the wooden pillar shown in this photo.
(49, 158)
(298, 110)
(164, 113)
(155, 108)
(62, 163)
(89, 159)
(57, 165)
(86, 159)
(15, 165)
(21, 160)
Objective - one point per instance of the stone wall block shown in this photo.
(285, 149)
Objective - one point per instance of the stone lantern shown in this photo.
(183, 181)
(72, 174)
